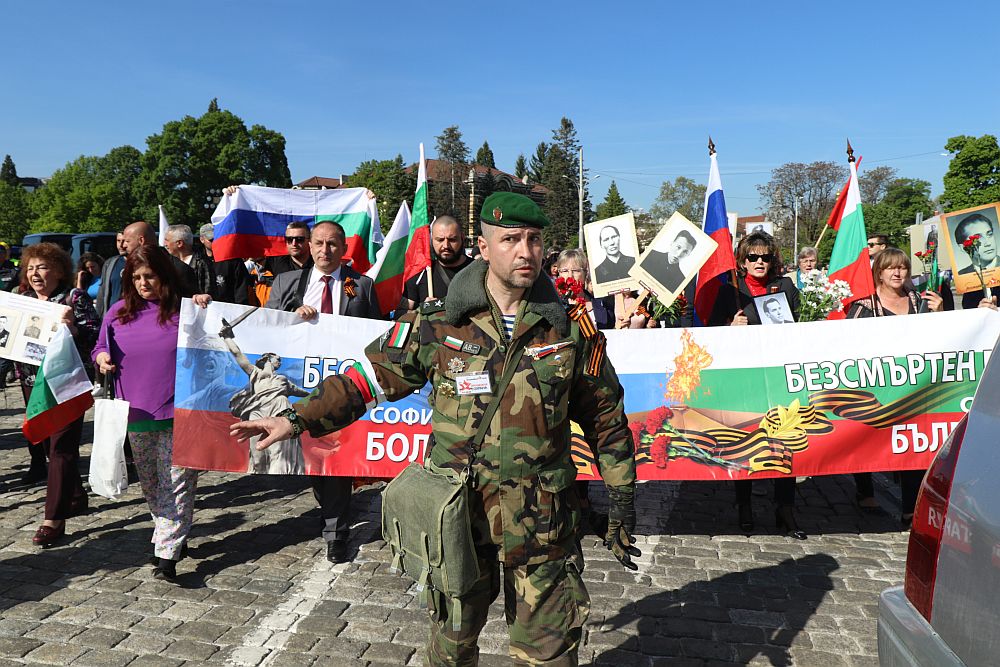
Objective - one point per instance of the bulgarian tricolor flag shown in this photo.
(850, 261)
(62, 390)
(387, 272)
(418, 242)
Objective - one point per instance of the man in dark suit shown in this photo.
(332, 288)
(142, 233)
(665, 267)
(4, 333)
(985, 256)
(615, 265)
(774, 312)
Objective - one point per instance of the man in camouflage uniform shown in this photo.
(525, 512)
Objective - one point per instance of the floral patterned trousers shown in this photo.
(169, 490)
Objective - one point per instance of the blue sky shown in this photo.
(644, 82)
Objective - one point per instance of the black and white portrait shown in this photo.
(9, 320)
(773, 309)
(33, 329)
(673, 258)
(611, 251)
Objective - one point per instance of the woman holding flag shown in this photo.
(48, 276)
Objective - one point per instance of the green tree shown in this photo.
(453, 199)
(561, 201)
(8, 172)
(90, 194)
(192, 157)
(484, 156)
(565, 137)
(390, 182)
(15, 212)
(973, 176)
(904, 198)
(683, 195)
(612, 205)
(536, 168)
(521, 167)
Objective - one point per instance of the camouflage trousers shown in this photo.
(545, 606)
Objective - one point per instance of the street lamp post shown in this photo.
(579, 232)
(798, 198)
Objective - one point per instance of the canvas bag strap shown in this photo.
(491, 409)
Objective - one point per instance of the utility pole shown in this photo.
(579, 236)
(796, 240)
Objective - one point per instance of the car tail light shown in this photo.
(928, 524)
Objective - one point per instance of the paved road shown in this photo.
(256, 589)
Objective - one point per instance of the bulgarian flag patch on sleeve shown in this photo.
(398, 335)
(369, 389)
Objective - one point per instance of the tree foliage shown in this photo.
(562, 200)
(520, 166)
(90, 194)
(536, 168)
(874, 183)
(390, 182)
(192, 157)
(815, 184)
(612, 205)
(683, 195)
(903, 199)
(973, 176)
(451, 198)
(484, 156)
(15, 212)
(8, 172)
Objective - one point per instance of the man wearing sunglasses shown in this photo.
(298, 257)
(876, 244)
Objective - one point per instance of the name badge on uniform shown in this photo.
(473, 383)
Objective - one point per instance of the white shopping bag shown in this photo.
(108, 474)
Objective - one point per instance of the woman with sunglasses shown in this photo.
(758, 263)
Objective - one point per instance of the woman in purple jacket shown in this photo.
(138, 343)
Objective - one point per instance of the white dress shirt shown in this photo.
(314, 290)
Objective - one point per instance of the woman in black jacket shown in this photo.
(758, 264)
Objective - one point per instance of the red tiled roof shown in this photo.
(320, 182)
(440, 170)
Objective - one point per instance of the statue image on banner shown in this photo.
(265, 395)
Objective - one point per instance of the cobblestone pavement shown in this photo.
(257, 590)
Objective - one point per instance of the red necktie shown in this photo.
(326, 304)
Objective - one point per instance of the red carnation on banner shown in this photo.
(636, 429)
(655, 418)
(660, 451)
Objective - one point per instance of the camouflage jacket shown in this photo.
(522, 477)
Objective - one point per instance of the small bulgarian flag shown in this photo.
(62, 390)
(387, 272)
(850, 261)
(418, 243)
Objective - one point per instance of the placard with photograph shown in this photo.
(751, 227)
(678, 250)
(611, 251)
(773, 309)
(957, 228)
(921, 237)
(26, 327)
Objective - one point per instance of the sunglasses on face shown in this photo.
(753, 257)
(295, 239)
(872, 245)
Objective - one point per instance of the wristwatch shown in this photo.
(297, 426)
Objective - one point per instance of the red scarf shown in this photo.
(756, 286)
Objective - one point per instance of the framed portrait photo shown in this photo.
(612, 249)
(979, 225)
(674, 257)
(774, 309)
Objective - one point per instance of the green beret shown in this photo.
(507, 209)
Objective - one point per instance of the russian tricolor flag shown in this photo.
(252, 222)
(722, 261)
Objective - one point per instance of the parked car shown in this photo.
(947, 612)
(103, 243)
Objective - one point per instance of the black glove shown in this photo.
(621, 525)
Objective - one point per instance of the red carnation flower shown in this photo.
(655, 419)
(659, 451)
(636, 429)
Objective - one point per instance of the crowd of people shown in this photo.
(123, 315)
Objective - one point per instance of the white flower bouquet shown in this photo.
(820, 296)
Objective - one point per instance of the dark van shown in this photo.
(102, 243)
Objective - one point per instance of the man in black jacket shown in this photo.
(448, 244)
(142, 233)
(232, 280)
(179, 242)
